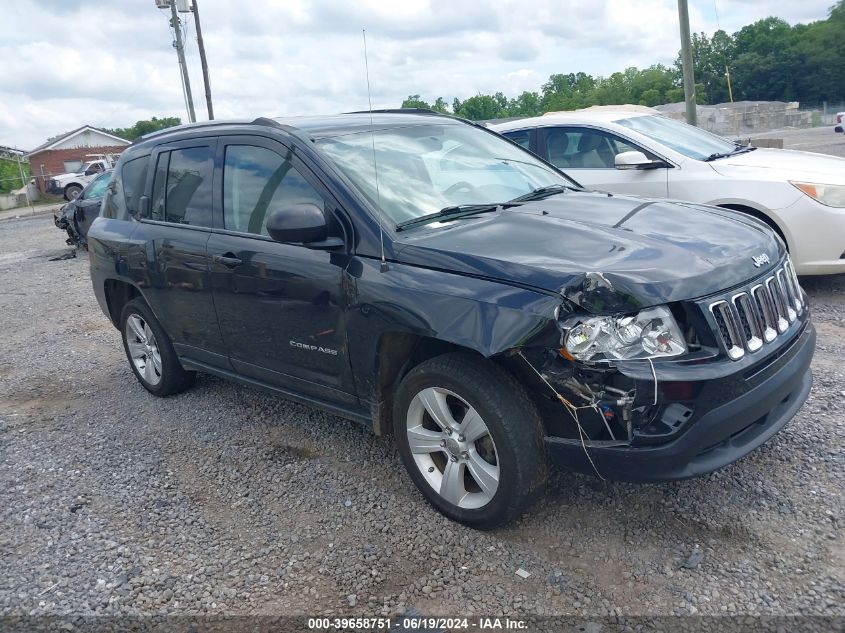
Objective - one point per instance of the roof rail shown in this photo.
(184, 126)
(400, 111)
(263, 120)
(425, 111)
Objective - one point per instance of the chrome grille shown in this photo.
(758, 315)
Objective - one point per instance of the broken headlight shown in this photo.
(652, 333)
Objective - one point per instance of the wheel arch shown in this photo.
(400, 352)
(397, 353)
(118, 293)
(759, 214)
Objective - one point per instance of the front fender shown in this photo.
(485, 316)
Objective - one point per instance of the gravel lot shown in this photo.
(227, 500)
(822, 140)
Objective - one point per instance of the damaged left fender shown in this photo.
(483, 315)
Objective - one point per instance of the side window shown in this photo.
(621, 145)
(133, 177)
(97, 188)
(256, 182)
(182, 186)
(125, 188)
(159, 187)
(585, 148)
(521, 137)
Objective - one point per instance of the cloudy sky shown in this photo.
(66, 63)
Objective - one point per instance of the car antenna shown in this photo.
(384, 267)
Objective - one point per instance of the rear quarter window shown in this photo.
(127, 186)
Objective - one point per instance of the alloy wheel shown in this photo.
(452, 447)
(143, 349)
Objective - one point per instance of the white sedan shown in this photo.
(799, 194)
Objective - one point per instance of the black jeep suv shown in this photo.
(427, 277)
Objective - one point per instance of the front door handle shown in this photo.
(228, 260)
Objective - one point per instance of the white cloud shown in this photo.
(70, 63)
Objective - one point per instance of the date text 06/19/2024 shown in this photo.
(416, 623)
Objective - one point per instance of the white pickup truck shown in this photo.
(72, 183)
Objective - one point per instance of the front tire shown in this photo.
(72, 192)
(471, 439)
(150, 352)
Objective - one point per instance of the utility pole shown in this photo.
(730, 89)
(686, 60)
(183, 67)
(204, 63)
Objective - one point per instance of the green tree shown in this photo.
(145, 127)
(10, 175)
(480, 108)
(414, 101)
(768, 60)
(439, 105)
(527, 104)
(711, 57)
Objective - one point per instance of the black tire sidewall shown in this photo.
(517, 441)
(173, 377)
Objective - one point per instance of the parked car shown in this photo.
(799, 194)
(839, 117)
(76, 216)
(71, 184)
(427, 278)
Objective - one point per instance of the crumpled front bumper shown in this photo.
(727, 432)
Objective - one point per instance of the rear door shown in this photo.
(170, 242)
(589, 154)
(280, 306)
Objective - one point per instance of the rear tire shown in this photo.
(150, 352)
(479, 457)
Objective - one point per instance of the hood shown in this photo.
(604, 253)
(785, 164)
(69, 174)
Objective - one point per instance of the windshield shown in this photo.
(685, 139)
(423, 169)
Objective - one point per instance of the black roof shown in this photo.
(338, 124)
(324, 125)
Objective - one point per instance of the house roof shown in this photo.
(61, 138)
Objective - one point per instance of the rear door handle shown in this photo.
(228, 260)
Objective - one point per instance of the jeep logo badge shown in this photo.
(759, 260)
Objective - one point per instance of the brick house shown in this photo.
(67, 152)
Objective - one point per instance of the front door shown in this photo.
(280, 306)
(589, 155)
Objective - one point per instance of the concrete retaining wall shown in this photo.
(745, 117)
(12, 201)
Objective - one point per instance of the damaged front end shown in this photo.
(651, 394)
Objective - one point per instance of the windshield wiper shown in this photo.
(739, 150)
(542, 193)
(452, 212)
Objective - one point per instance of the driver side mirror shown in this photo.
(302, 223)
(636, 160)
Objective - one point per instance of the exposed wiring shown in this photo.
(573, 411)
(653, 375)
